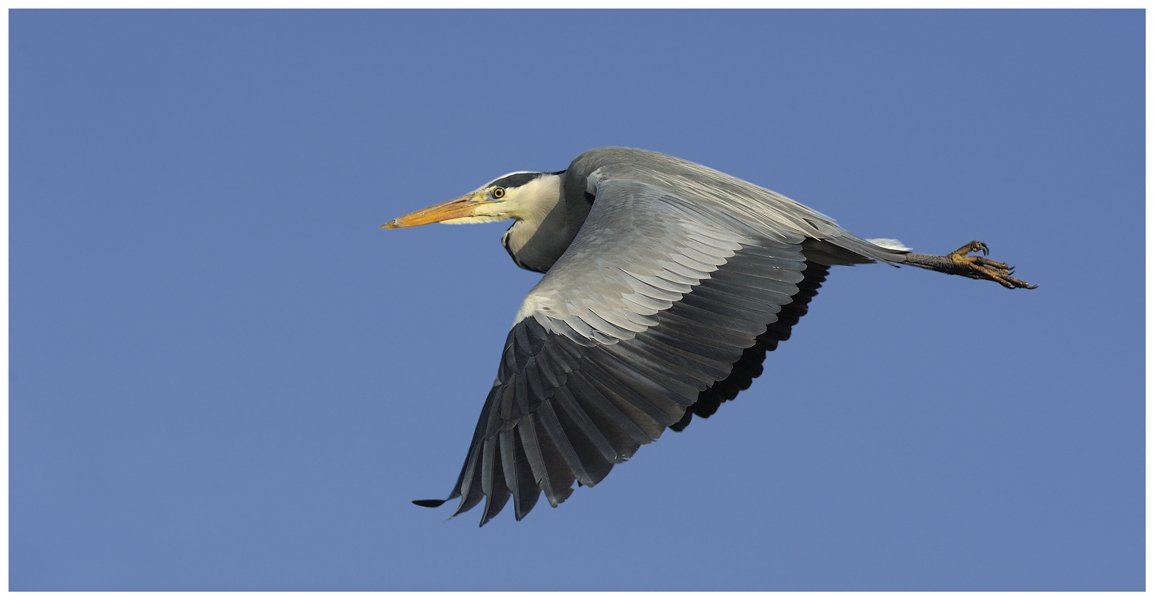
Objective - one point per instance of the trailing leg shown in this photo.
(960, 262)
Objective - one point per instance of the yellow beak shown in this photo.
(460, 208)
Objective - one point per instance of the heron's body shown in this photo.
(536, 243)
(665, 284)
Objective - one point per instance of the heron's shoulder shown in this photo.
(596, 158)
(613, 152)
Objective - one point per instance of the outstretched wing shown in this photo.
(652, 305)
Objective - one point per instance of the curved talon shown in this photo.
(974, 246)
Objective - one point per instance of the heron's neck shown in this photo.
(545, 227)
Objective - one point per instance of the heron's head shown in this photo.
(521, 195)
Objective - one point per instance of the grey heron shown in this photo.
(666, 282)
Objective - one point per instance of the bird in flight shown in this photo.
(666, 282)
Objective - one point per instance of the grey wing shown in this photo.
(748, 367)
(654, 303)
(826, 242)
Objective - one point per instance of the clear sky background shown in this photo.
(225, 377)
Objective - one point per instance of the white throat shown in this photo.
(536, 199)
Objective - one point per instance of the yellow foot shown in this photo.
(980, 267)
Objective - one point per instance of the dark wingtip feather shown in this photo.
(684, 422)
(429, 503)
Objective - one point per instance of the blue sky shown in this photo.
(225, 377)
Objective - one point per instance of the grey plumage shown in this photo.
(665, 284)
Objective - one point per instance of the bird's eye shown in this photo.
(498, 192)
